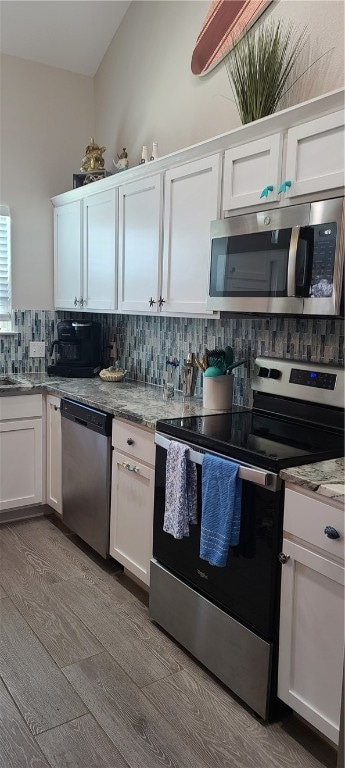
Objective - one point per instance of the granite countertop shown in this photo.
(325, 478)
(137, 402)
(144, 404)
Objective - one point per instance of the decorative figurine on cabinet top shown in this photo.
(121, 164)
(93, 159)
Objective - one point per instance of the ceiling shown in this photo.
(70, 34)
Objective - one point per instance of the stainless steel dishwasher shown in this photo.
(86, 473)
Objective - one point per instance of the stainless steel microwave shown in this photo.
(287, 260)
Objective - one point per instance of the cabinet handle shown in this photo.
(284, 186)
(130, 441)
(152, 302)
(266, 190)
(82, 301)
(331, 533)
(283, 558)
(130, 469)
(75, 301)
(161, 301)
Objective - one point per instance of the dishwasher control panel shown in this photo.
(87, 416)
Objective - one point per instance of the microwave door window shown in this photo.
(250, 265)
(264, 275)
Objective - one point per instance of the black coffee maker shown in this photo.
(78, 349)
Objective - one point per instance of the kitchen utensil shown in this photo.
(213, 371)
(189, 374)
(229, 356)
(231, 367)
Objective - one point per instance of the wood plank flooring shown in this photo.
(89, 682)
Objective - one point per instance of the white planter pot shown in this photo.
(217, 392)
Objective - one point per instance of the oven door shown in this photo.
(248, 587)
(257, 260)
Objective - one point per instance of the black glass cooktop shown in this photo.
(266, 441)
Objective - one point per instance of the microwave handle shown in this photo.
(250, 474)
(292, 261)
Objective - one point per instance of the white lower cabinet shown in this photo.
(53, 453)
(21, 476)
(132, 498)
(311, 644)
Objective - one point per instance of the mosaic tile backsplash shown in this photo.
(143, 342)
(29, 325)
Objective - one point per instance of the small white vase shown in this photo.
(217, 392)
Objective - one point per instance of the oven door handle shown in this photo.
(249, 474)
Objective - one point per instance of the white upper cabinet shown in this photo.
(151, 224)
(252, 173)
(99, 262)
(315, 159)
(164, 255)
(255, 174)
(191, 202)
(85, 253)
(140, 227)
(67, 255)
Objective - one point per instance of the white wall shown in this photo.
(145, 91)
(47, 118)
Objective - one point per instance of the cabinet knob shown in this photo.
(283, 558)
(130, 441)
(161, 301)
(266, 190)
(152, 302)
(82, 301)
(75, 301)
(284, 186)
(331, 533)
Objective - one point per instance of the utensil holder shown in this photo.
(217, 392)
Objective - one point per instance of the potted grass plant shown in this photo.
(259, 67)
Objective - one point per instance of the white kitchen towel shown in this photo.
(180, 491)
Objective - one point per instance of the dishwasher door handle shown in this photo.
(80, 421)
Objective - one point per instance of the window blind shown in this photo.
(5, 263)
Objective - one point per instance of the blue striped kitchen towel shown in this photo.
(180, 491)
(221, 509)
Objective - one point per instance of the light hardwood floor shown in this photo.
(88, 681)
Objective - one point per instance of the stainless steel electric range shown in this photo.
(228, 618)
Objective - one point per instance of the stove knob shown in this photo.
(263, 372)
(275, 373)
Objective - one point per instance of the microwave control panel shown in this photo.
(324, 246)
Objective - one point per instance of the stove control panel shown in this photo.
(313, 378)
(299, 380)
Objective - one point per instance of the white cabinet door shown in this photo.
(131, 516)
(311, 640)
(54, 494)
(67, 255)
(140, 235)
(315, 155)
(191, 202)
(20, 463)
(99, 251)
(250, 169)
